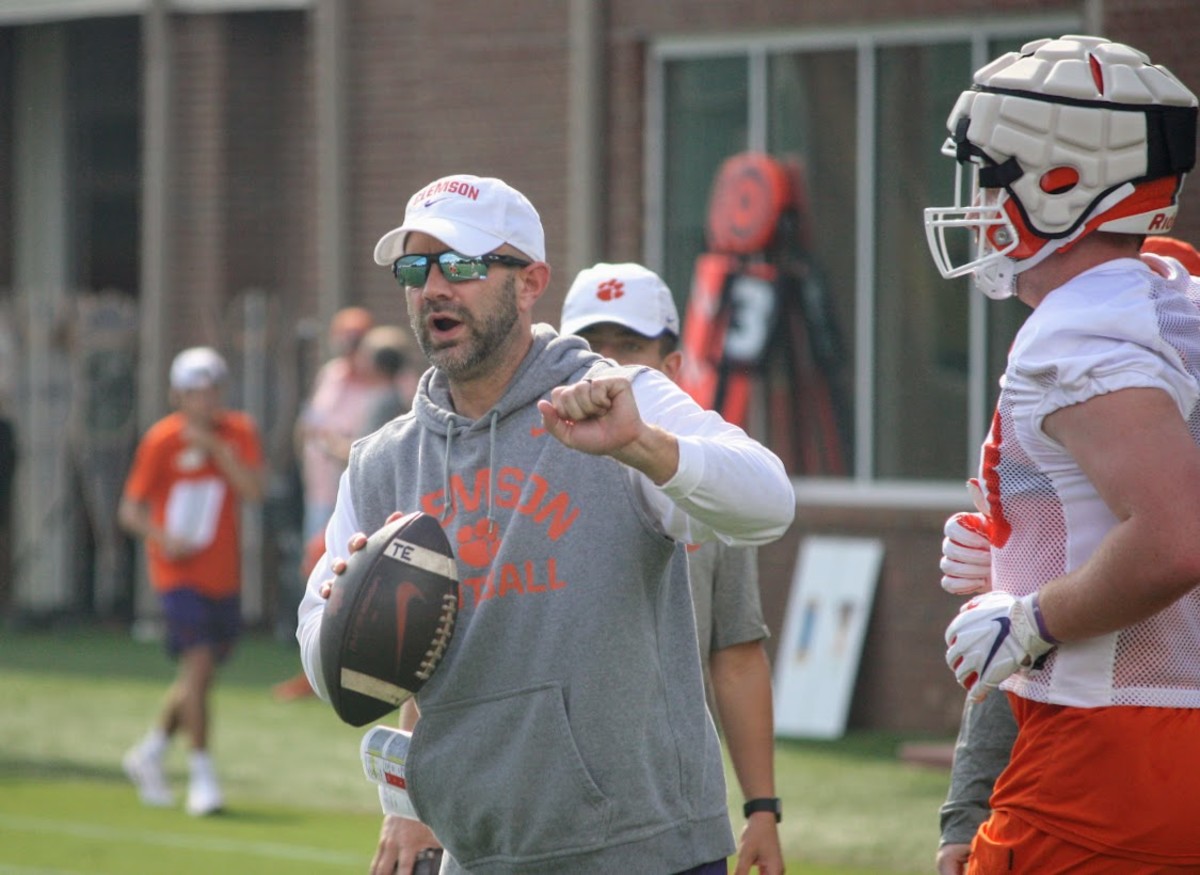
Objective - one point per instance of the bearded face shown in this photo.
(461, 337)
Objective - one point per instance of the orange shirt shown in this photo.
(188, 495)
(1124, 781)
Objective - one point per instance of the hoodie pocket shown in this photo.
(501, 776)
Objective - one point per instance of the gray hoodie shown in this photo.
(566, 730)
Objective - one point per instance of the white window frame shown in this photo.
(861, 487)
(14, 12)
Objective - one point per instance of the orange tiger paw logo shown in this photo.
(610, 290)
(479, 544)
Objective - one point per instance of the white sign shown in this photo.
(817, 660)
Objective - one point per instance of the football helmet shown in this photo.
(1065, 137)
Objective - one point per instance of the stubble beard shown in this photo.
(472, 355)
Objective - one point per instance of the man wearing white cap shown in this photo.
(626, 313)
(181, 498)
(565, 729)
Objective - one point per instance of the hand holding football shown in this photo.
(389, 618)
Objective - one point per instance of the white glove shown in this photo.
(967, 554)
(993, 636)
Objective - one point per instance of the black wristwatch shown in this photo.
(775, 805)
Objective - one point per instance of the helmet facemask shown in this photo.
(977, 226)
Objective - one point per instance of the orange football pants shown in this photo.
(1096, 790)
(1006, 845)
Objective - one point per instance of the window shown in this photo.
(864, 114)
(706, 123)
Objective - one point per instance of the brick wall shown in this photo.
(269, 209)
(242, 211)
(480, 91)
(198, 271)
(903, 683)
(1168, 31)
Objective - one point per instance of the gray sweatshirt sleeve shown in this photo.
(985, 740)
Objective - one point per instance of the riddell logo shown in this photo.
(1162, 222)
(610, 290)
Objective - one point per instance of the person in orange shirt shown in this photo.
(181, 498)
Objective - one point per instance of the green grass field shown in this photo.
(72, 701)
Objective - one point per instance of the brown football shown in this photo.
(389, 618)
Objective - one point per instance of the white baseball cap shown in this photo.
(627, 294)
(200, 367)
(470, 214)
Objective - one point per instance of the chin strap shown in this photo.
(1003, 283)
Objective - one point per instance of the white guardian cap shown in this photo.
(1065, 137)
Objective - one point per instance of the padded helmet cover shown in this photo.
(1085, 109)
(1065, 137)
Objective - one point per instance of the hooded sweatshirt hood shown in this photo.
(551, 361)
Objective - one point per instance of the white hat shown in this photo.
(200, 367)
(627, 294)
(470, 214)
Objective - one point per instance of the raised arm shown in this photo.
(701, 477)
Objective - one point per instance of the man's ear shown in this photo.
(532, 283)
(671, 365)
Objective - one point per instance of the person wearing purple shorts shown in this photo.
(191, 471)
(195, 620)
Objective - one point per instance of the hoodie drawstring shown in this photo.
(493, 422)
(446, 476)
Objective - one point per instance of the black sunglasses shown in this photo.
(412, 271)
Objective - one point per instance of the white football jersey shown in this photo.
(1117, 326)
